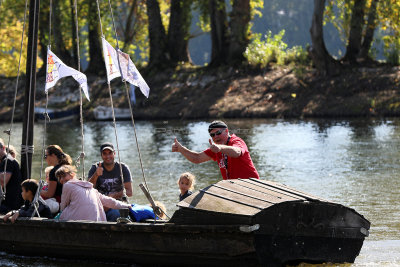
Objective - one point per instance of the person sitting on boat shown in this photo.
(56, 157)
(186, 185)
(106, 178)
(13, 152)
(51, 202)
(10, 181)
(29, 188)
(230, 152)
(80, 201)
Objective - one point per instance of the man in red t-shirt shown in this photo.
(229, 151)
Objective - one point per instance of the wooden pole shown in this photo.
(30, 88)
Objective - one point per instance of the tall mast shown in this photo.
(30, 88)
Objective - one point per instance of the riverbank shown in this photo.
(283, 92)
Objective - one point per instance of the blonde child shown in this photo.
(47, 172)
(12, 151)
(186, 185)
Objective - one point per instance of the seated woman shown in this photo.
(29, 188)
(56, 157)
(80, 201)
(51, 202)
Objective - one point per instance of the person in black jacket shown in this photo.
(29, 188)
(10, 181)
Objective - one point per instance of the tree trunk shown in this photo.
(159, 57)
(129, 31)
(239, 25)
(43, 34)
(74, 55)
(178, 31)
(356, 25)
(219, 41)
(369, 33)
(96, 63)
(324, 62)
(59, 46)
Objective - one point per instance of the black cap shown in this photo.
(217, 125)
(106, 146)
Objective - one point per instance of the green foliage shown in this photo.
(256, 6)
(273, 49)
(392, 49)
(390, 25)
(338, 12)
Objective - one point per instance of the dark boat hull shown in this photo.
(231, 223)
(314, 232)
(167, 244)
(140, 243)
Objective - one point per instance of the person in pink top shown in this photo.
(80, 201)
(229, 151)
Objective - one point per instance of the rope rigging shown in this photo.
(112, 108)
(157, 210)
(9, 131)
(35, 201)
(80, 159)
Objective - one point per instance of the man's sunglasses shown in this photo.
(217, 133)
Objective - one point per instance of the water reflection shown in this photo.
(353, 162)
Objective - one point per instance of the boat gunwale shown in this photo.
(120, 227)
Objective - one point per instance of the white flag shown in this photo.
(111, 60)
(56, 70)
(131, 74)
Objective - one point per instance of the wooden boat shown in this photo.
(245, 222)
(57, 115)
(102, 113)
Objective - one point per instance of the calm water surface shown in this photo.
(352, 162)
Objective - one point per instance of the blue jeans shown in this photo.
(112, 215)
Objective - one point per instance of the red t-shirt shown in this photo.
(241, 167)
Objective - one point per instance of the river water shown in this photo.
(354, 162)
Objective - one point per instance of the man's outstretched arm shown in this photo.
(192, 156)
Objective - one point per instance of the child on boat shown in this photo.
(51, 202)
(12, 151)
(186, 183)
(46, 173)
(29, 188)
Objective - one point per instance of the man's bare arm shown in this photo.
(192, 156)
(128, 188)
